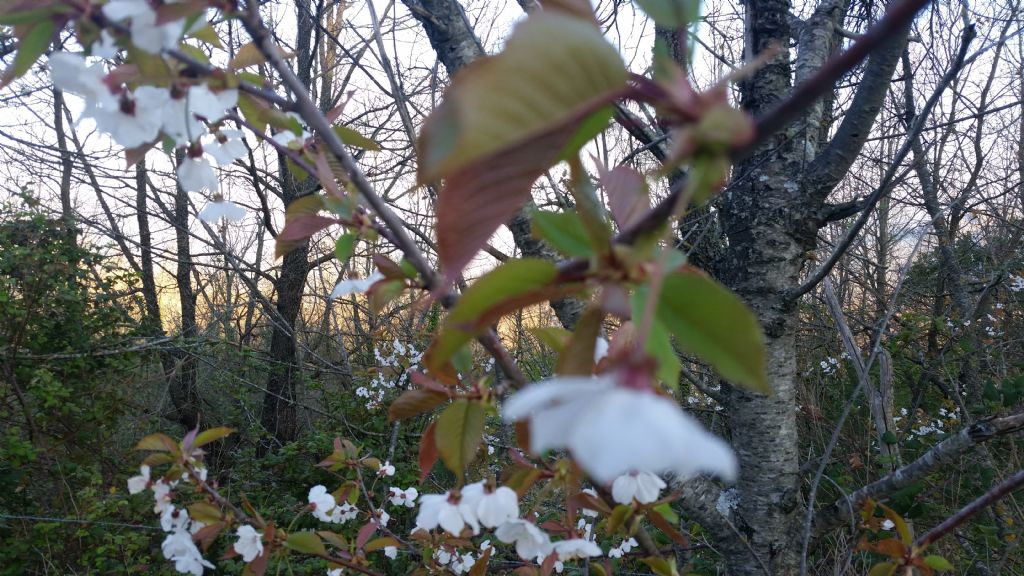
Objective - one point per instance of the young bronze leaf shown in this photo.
(427, 456)
(306, 542)
(458, 434)
(415, 402)
(712, 323)
(298, 228)
(482, 303)
(627, 195)
(513, 113)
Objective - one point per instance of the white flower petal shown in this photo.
(196, 174)
(356, 286)
(530, 541)
(576, 548)
(626, 430)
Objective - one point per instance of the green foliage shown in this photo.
(64, 393)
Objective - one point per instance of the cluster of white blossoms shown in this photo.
(476, 506)
(326, 509)
(139, 117)
(623, 548)
(392, 373)
(829, 365)
(178, 546)
(400, 497)
(457, 563)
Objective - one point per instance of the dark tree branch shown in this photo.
(942, 454)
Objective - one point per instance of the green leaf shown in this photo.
(712, 323)
(564, 231)
(458, 434)
(379, 543)
(901, 525)
(209, 35)
(345, 246)
(554, 337)
(212, 435)
(620, 514)
(660, 566)
(518, 282)
(31, 47)
(659, 345)
(22, 17)
(205, 513)
(551, 65)
(508, 118)
(938, 563)
(578, 356)
(305, 542)
(671, 13)
(889, 438)
(355, 139)
(247, 55)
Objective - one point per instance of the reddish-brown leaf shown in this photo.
(627, 194)
(413, 403)
(428, 451)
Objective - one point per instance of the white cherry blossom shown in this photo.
(173, 519)
(343, 513)
(211, 105)
(161, 496)
(493, 508)
(447, 511)
(530, 541)
(385, 469)
(105, 47)
(70, 73)
(356, 286)
(139, 483)
(226, 146)
(643, 486)
(196, 174)
(249, 543)
(321, 501)
(611, 430)
(179, 548)
(136, 119)
(576, 548)
(461, 564)
(146, 34)
(399, 497)
(220, 208)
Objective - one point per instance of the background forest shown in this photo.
(878, 238)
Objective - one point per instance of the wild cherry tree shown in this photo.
(596, 445)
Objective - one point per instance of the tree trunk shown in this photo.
(182, 380)
(279, 415)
